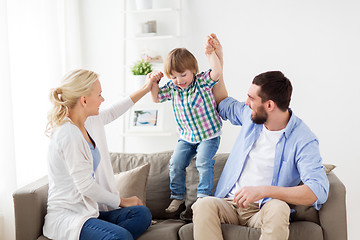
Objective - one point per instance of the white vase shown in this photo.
(139, 81)
(143, 4)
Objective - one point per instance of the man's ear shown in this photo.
(270, 105)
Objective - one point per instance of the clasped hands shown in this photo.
(247, 195)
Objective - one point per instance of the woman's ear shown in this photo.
(82, 101)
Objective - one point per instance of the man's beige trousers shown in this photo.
(210, 212)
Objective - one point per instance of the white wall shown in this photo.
(315, 43)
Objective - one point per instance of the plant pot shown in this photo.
(143, 4)
(139, 81)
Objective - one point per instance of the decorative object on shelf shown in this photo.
(146, 117)
(149, 27)
(143, 4)
(140, 69)
(151, 56)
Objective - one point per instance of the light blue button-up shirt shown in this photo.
(297, 155)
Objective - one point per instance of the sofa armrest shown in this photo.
(332, 214)
(30, 204)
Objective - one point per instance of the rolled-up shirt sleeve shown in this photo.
(312, 172)
(165, 93)
(233, 110)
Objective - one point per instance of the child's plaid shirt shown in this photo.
(194, 108)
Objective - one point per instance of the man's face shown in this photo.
(258, 114)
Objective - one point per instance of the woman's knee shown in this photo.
(143, 213)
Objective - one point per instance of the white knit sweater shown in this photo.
(74, 195)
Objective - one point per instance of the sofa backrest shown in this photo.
(30, 204)
(158, 185)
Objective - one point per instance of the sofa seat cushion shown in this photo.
(298, 231)
(42, 237)
(163, 229)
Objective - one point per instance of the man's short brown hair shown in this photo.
(276, 87)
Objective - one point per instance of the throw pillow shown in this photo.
(133, 182)
(328, 168)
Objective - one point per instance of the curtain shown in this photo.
(39, 43)
(7, 154)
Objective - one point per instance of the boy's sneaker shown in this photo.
(174, 205)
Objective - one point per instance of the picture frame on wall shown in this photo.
(146, 118)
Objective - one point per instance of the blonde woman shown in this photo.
(83, 202)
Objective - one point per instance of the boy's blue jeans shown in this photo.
(124, 223)
(181, 158)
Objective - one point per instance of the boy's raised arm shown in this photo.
(219, 90)
(215, 64)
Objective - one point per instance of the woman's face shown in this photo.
(94, 100)
(182, 80)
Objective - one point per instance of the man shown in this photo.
(273, 153)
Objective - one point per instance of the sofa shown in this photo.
(150, 175)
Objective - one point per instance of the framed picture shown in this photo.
(146, 118)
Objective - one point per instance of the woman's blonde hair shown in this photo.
(75, 84)
(180, 60)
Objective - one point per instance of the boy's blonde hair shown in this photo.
(75, 84)
(179, 60)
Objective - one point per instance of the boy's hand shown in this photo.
(155, 76)
(215, 43)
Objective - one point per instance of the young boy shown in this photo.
(199, 124)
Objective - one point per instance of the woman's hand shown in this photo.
(151, 82)
(131, 201)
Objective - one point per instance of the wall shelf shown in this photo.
(154, 37)
(149, 134)
(156, 10)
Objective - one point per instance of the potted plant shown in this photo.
(140, 69)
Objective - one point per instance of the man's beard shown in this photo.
(260, 117)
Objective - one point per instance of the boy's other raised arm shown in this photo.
(219, 90)
(215, 65)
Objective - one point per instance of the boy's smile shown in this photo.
(182, 80)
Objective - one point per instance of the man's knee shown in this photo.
(277, 208)
(204, 204)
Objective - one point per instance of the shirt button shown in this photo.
(227, 188)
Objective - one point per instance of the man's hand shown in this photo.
(131, 201)
(209, 49)
(215, 43)
(248, 195)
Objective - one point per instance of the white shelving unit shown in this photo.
(167, 14)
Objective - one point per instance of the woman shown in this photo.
(83, 202)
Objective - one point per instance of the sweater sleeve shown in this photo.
(114, 111)
(79, 162)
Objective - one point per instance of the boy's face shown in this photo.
(182, 80)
